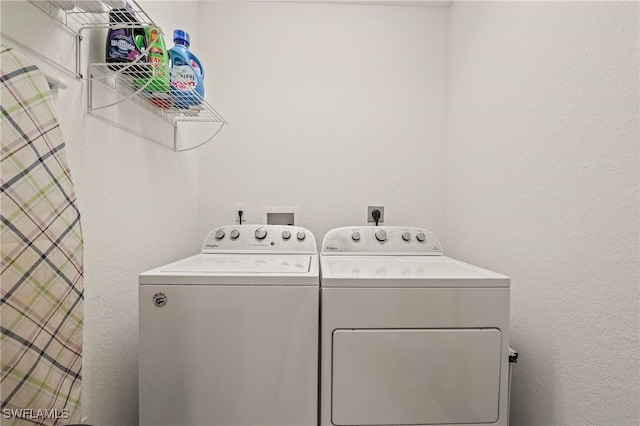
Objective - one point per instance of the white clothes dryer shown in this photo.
(409, 336)
(230, 336)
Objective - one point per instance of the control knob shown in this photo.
(219, 234)
(261, 234)
(234, 234)
(286, 235)
(421, 237)
(381, 235)
(406, 236)
(355, 236)
(301, 235)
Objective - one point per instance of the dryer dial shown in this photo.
(286, 235)
(219, 234)
(234, 234)
(301, 235)
(261, 233)
(381, 235)
(421, 237)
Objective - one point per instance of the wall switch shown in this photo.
(370, 210)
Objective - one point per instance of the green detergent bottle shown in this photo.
(158, 78)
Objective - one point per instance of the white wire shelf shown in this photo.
(152, 88)
(95, 15)
(77, 19)
(142, 84)
(149, 86)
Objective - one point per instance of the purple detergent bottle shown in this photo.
(121, 41)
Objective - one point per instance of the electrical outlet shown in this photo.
(370, 210)
(241, 208)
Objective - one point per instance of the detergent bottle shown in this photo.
(121, 41)
(187, 79)
(157, 80)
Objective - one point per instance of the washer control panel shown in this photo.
(390, 240)
(260, 239)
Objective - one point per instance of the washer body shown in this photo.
(230, 336)
(409, 336)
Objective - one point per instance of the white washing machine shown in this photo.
(230, 336)
(409, 336)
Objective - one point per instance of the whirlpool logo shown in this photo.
(330, 248)
(160, 299)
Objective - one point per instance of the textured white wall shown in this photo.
(542, 185)
(331, 108)
(138, 205)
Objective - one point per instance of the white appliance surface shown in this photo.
(241, 263)
(237, 269)
(409, 336)
(230, 336)
(421, 271)
(420, 380)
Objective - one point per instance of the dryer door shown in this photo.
(415, 376)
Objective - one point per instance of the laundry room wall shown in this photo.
(510, 129)
(331, 108)
(542, 185)
(137, 202)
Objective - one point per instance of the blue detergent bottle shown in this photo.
(187, 77)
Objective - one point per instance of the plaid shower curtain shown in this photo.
(41, 281)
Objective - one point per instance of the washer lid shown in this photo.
(241, 263)
(405, 271)
(243, 269)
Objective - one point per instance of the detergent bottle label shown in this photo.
(121, 47)
(155, 50)
(195, 67)
(186, 76)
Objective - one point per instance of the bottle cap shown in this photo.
(181, 36)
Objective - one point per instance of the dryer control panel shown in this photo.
(260, 239)
(377, 240)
